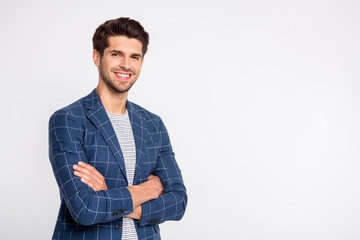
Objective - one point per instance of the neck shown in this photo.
(114, 102)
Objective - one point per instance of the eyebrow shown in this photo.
(134, 54)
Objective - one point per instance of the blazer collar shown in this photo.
(98, 116)
(140, 132)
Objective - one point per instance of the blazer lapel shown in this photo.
(97, 115)
(138, 127)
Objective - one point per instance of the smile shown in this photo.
(123, 76)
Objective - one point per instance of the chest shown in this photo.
(107, 156)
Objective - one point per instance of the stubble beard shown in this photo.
(111, 84)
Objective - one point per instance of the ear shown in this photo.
(96, 57)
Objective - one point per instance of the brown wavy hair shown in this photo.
(119, 27)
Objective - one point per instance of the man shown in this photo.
(112, 159)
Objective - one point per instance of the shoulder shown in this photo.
(152, 120)
(74, 111)
(67, 124)
(144, 113)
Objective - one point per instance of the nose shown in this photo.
(125, 63)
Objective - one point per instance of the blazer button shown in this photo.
(114, 214)
(122, 211)
(117, 226)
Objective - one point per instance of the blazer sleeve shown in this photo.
(172, 203)
(86, 206)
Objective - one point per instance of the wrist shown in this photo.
(140, 194)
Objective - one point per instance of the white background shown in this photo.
(261, 100)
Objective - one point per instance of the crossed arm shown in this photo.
(146, 191)
(88, 204)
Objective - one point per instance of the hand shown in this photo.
(136, 214)
(90, 176)
(154, 182)
(146, 191)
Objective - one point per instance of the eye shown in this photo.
(114, 54)
(136, 57)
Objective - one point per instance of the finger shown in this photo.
(87, 166)
(76, 167)
(83, 176)
(91, 169)
(84, 165)
(76, 173)
(151, 176)
(156, 178)
(82, 170)
(90, 184)
(90, 176)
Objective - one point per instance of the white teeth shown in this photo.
(123, 75)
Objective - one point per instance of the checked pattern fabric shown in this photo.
(82, 131)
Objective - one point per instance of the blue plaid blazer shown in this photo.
(82, 131)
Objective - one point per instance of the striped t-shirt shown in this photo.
(125, 136)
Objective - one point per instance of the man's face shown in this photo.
(120, 65)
